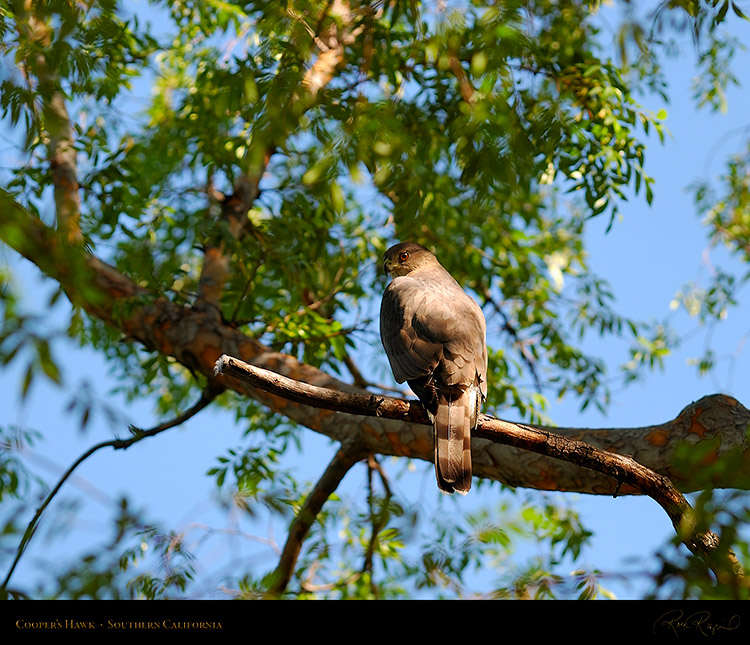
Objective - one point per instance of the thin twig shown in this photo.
(360, 381)
(378, 518)
(513, 332)
(207, 396)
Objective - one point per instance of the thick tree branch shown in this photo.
(623, 469)
(400, 427)
(59, 133)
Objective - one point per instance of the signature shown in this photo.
(700, 622)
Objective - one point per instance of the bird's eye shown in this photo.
(403, 256)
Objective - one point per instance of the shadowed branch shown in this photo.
(347, 455)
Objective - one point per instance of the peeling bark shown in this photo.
(621, 469)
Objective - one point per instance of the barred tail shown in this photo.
(453, 422)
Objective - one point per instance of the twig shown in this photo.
(207, 396)
(513, 332)
(360, 381)
(378, 518)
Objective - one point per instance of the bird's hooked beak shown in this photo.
(386, 266)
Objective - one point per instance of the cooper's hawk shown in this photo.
(434, 336)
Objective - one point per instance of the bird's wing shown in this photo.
(411, 353)
(451, 317)
(430, 324)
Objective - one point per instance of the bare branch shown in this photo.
(197, 340)
(378, 517)
(360, 381)
(207, 396)
(507, 327)
(320, 397)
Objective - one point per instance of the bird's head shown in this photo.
(403, 258)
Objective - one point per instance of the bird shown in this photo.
(434, 335)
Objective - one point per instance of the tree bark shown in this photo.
(622, 469)
(58, 135)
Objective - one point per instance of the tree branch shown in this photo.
(346, 456)
(715, 425)
(378, 517)
(464, 84)
(623, 469)
(61, 150)
(507, 327)
(207, 396)
(234, 208)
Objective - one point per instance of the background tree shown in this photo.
(243, 209)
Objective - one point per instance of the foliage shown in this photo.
(491, 131)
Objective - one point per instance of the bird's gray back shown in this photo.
(429, 324)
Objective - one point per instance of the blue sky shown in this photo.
(647, 256)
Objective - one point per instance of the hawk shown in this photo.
(434, 336)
